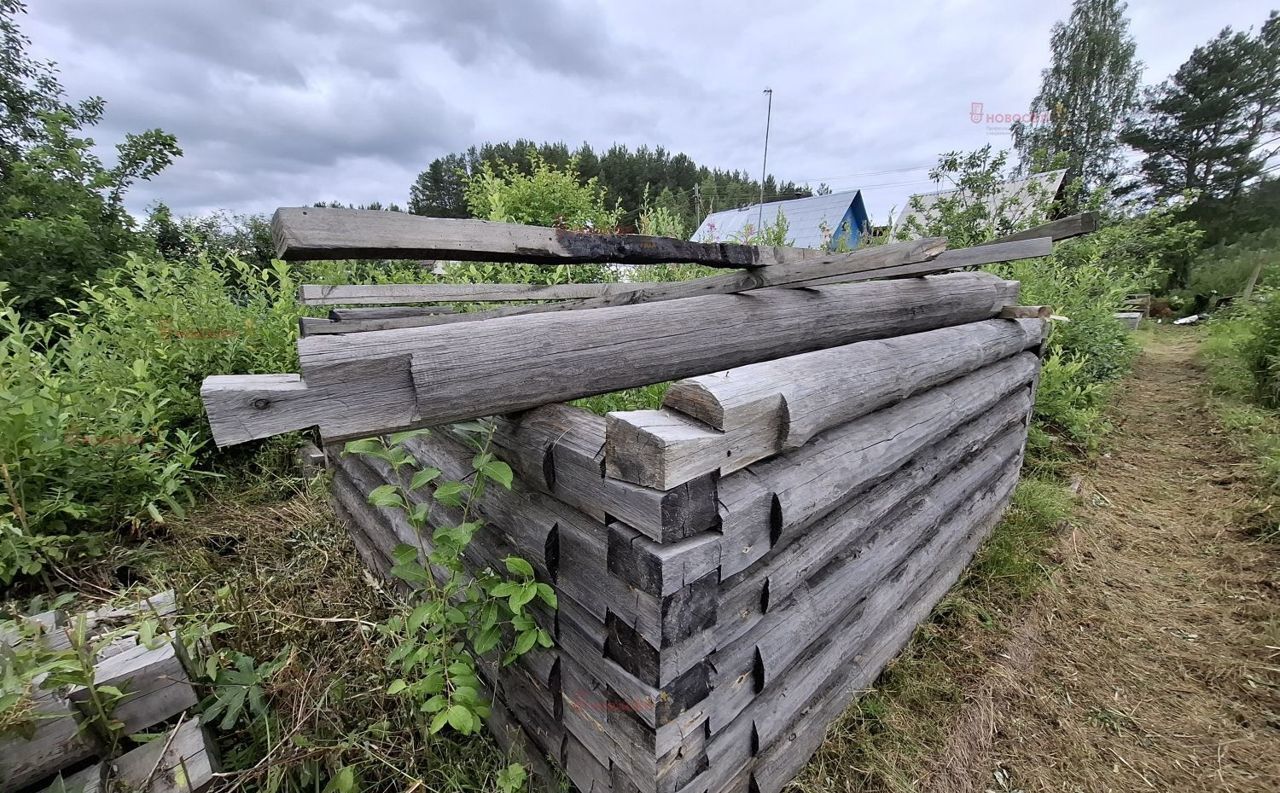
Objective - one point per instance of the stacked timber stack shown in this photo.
(65, 736)
(730, 568)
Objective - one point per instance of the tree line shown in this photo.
(630, 179)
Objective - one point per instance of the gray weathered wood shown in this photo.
(767, 408)
(780, 760)
(801, 273)
(154, 682)
(56, 743)
(846, 578)
(559, 450)
(949, 260)
(819, 476)
(309, 233)
(387, 312)
(439, 375)
(385, 294)
(799, 396)
(748, 593)
(181, 761)
(1061, 229)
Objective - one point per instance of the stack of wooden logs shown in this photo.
(64, 739)
(733, 567)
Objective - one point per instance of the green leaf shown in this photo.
(525, 642)
(499, 472)
(397, 438)
(527, 592)
(396, 687)
(423, 478)
(547, 595)
(363, 446)
(441, 719)
(488, 639)
(460, 719)
(517, 566)
(386, 496)
(342, 782)
(450, 494)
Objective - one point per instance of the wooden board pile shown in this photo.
(62, 742)
(733, 567)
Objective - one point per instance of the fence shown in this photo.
(733, 567)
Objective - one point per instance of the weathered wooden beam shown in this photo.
(394, 294)
(1061, 229)
(310, 233)
(56, 742)
(728, 420)
(387, 312)
(959, 258)
(181, 761)
(367, 383)
(155, 683)
(559, 450)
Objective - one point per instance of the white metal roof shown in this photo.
(805, 219)
(1016, 189)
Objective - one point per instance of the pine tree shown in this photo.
(1085, 94)
(1209, 126)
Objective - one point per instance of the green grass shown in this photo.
(647, 397)
(1253, 429)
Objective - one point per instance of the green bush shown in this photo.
(1260, 349)
(1224, 270)
(101, 424)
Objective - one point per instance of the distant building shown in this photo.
(821, 221)
(1021, 191)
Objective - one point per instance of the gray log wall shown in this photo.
(733, 567)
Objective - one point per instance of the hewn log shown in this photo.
(1061, 229)
(559, 449)
(799, 396)
(384, 294)
(661, 568)
(815, 478)
(951, 260)
(663, 447)
(154, 682)
(311, 233)
(55, 743)
(440, 375)
(387, 312)
(181, 761)
(892, 261)
(779, 761)
(847, 577)
(767, 408)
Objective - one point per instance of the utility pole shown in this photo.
(764, 168)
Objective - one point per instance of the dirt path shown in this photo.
(1151, 662)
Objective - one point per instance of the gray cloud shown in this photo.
(289, 101)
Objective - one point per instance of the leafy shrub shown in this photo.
(1224, 270)
(101, 422)
(1261, 349)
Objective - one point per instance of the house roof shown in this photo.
(805, 219)
(1016, 189)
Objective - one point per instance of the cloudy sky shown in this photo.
(287, 102)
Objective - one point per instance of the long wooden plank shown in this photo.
(341, 314)
(311, 233)
(806, 272)
(368, 383)
(397, 294)
(1060, 229)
